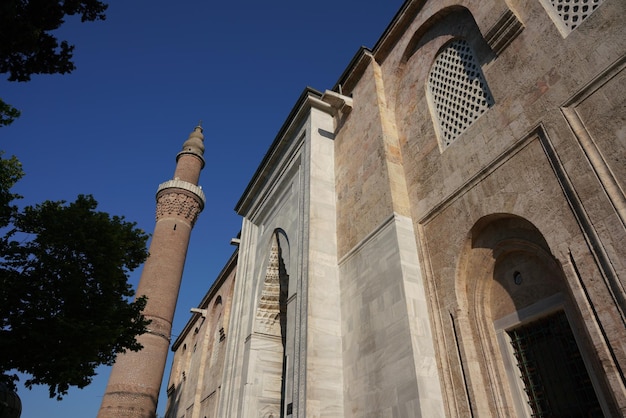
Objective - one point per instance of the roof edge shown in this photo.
(258, 177)
(401, 20)
(217, 284)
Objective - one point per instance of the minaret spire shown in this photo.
(135, 381)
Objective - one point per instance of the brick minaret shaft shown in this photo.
(135, 381)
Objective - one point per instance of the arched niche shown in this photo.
(411, 99)
(515, 317)
(271, 307)
(450, 22)
(270, 341)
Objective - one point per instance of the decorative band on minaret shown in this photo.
(179, 198)
(135, 382)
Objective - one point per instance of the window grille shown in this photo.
(458, 90)
(552, 369)
(570, 13)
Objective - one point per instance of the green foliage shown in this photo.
(10, 173)
(27, 45)
(64, 292)
(8, 113)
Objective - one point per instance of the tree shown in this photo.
(64, 292)
(27, 45)
(7, 113)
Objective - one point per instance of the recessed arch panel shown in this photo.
(506, 277)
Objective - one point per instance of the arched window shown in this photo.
(458, 91)
(569, 14)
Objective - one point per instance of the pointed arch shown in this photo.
(442, 69)
(457, 90)
(509, 285)
(450, 22)
(270, 329)
(270, 313)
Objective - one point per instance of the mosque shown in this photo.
(440, 234)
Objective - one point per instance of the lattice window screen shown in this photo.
(570, 13)
(562, 391)
(458, 90)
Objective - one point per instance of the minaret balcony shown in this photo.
(183, 185)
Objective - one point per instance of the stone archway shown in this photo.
(269, 339)
(509, 282)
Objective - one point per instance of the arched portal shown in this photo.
(271, 332)
(523, 345)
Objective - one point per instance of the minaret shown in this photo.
(135, 381)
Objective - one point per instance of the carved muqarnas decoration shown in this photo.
(271, 310)
(178, 204)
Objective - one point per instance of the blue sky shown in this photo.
(144, 79)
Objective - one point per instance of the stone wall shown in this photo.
(550, 151)
(199, 352)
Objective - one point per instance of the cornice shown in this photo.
(182, 185)
(309, 99)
